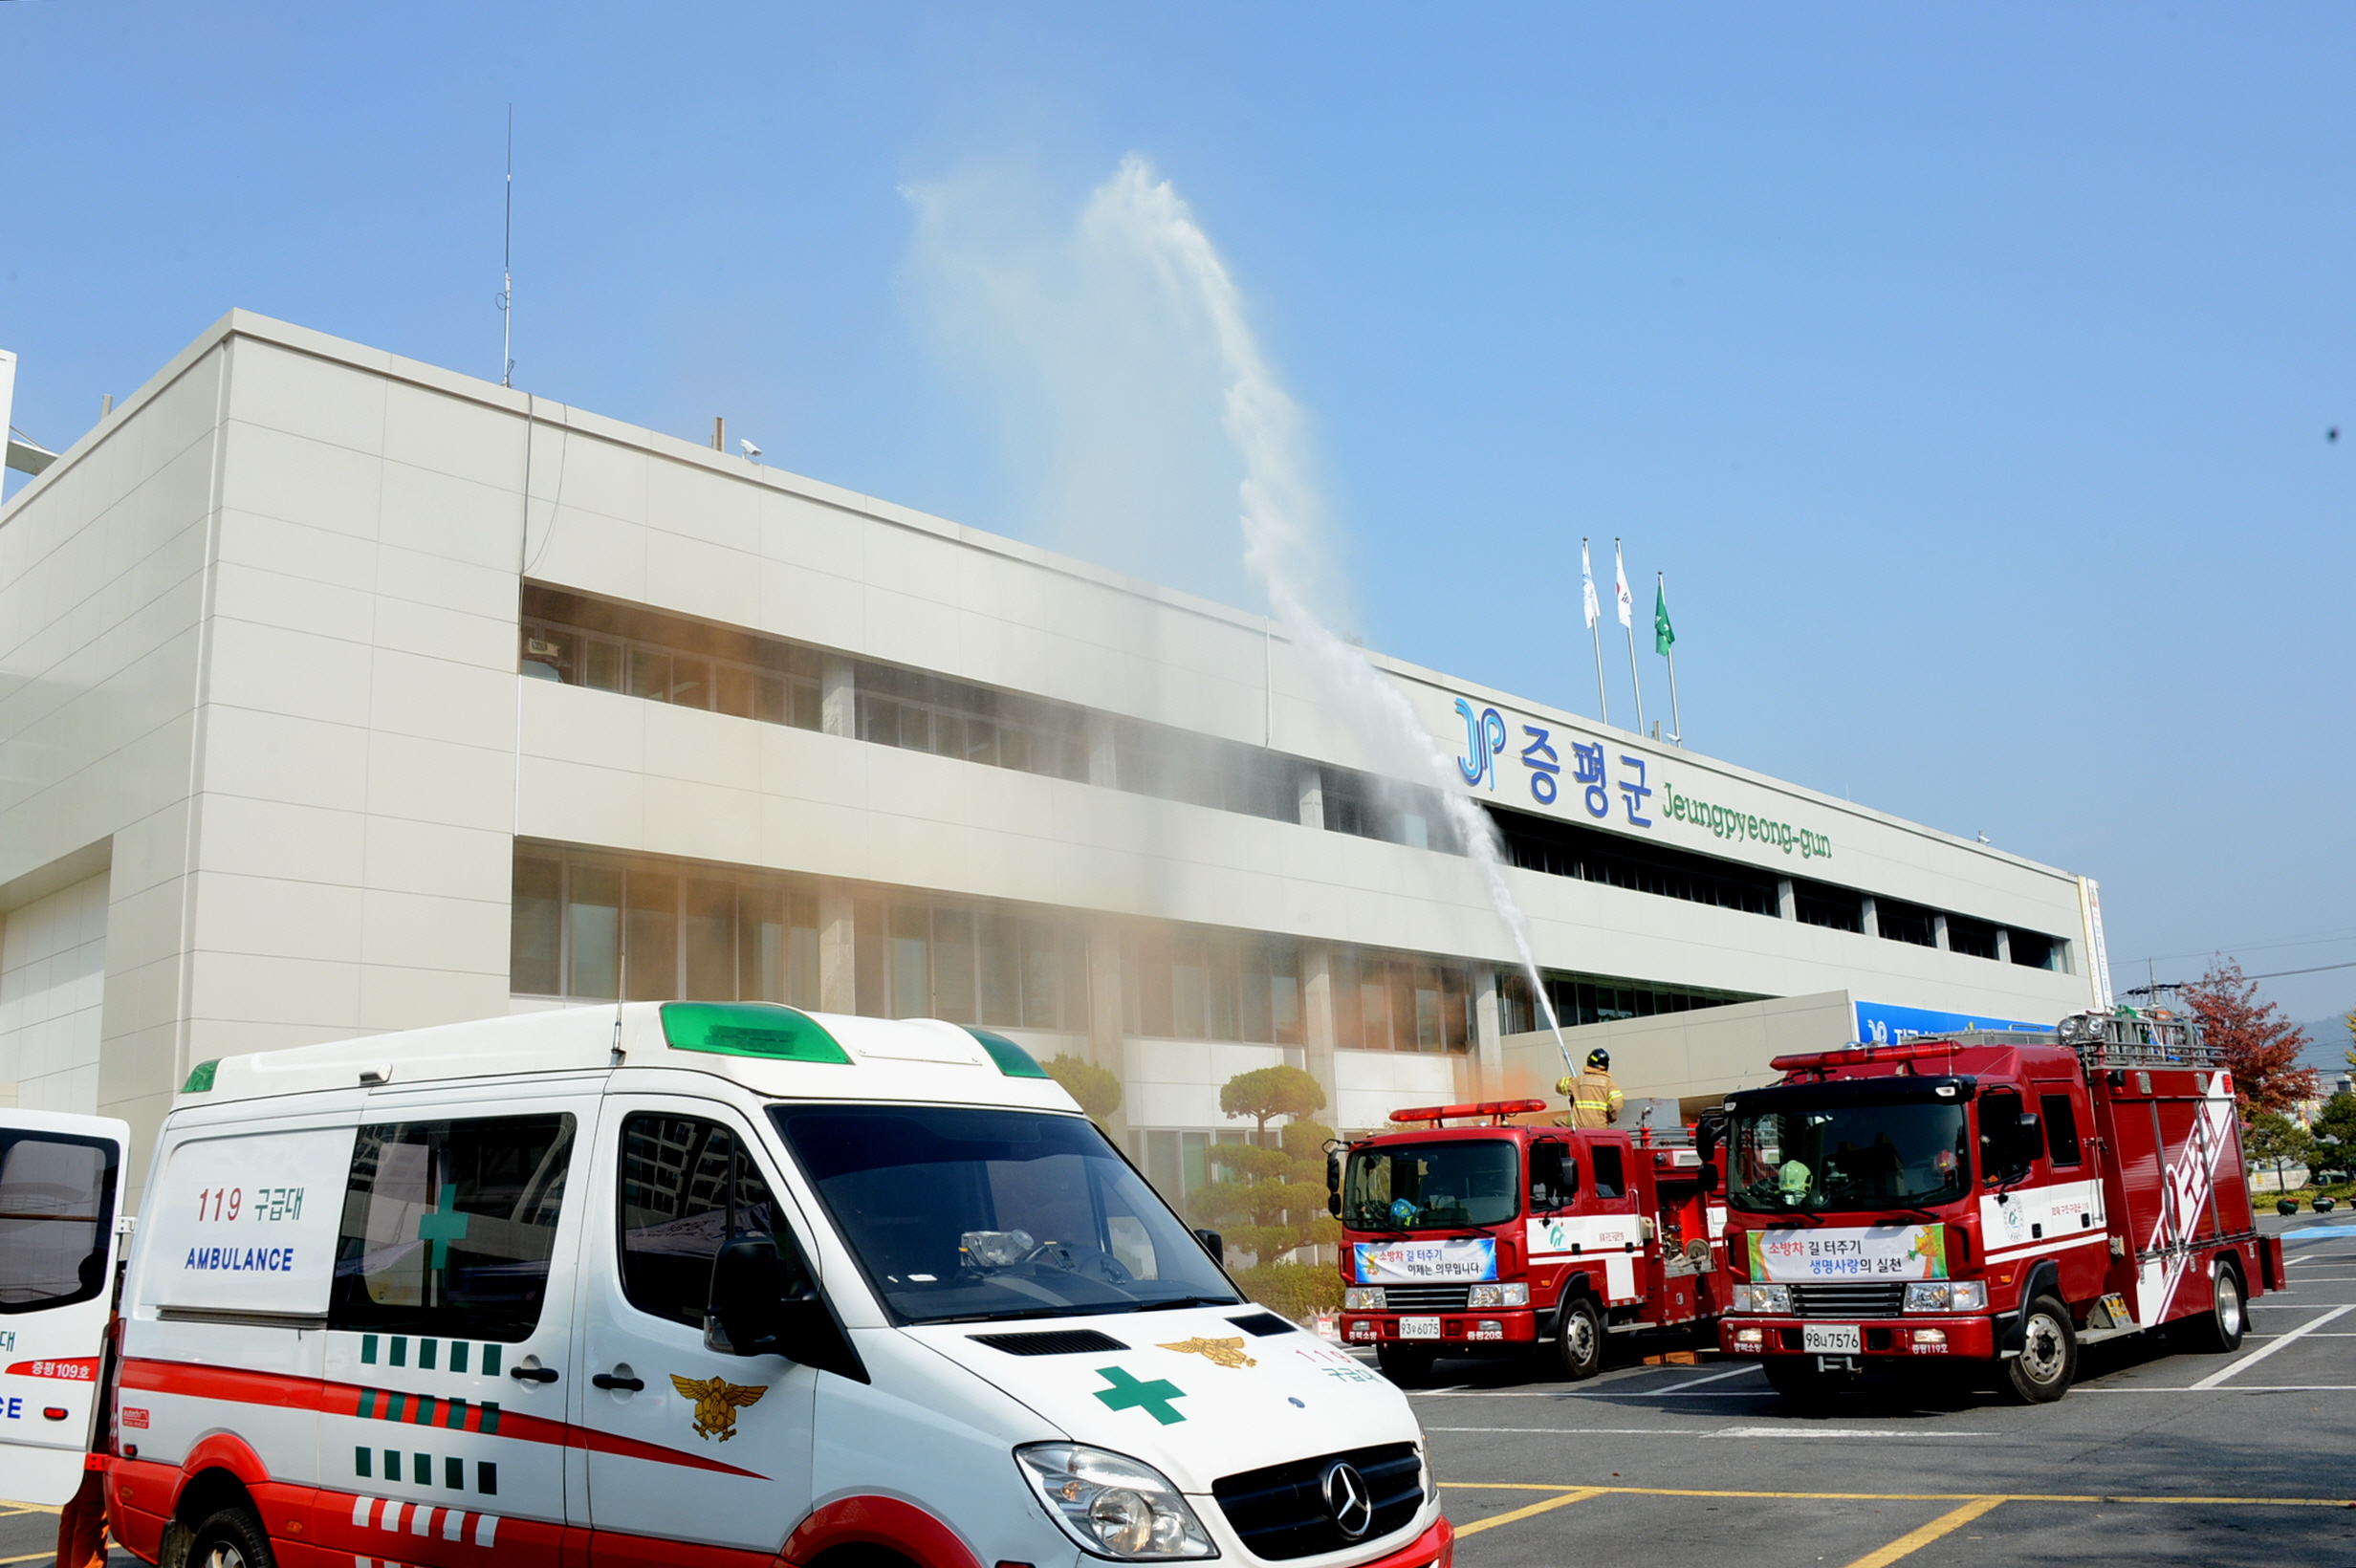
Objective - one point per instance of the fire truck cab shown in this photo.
(1999, 1199)
(1489, 1237)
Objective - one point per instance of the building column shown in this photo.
(1938, 931)
(1872, 926)
(1106, 1035)
(838, 950)
(2004, 945)
(1103, 755)
(1316, 1024)
(1311, 780)
(1488, 1034)
(1787, 902)
(838, 697)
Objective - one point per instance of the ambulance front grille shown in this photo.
(1426, 1297)
(1282, 1512)
(1880, 1299)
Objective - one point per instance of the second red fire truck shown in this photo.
(1996, 1199)
(1493, 1237)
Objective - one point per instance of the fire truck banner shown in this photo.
(1873, 1252)
(1413, 1262)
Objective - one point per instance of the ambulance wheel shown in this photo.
(2219, 1330)
(1580, 1339)
(1408, 1368)
(2049, 1359)
(1798, 1380)
(232, 1539)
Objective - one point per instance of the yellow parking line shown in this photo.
(1911, 1496)
(30, 1556)
(1478, 1525)
(1914, 1540)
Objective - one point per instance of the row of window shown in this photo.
(586, 926)
(594, 643)
(1601, 998)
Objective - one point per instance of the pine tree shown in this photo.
(2257, 1047)
(1097, 1090)
(1268, 1201)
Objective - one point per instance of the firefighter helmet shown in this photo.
(1599, 1059)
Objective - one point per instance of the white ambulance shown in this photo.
(724, 1284)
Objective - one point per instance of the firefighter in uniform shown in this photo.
(1595, 1099)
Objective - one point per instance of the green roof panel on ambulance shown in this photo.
(749, 1028)
(1012, 1060)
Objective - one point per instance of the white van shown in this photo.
(727, 1284)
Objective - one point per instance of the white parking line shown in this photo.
(2231, 1388)
(1580, 1431)
(2252, 1360)
(1796, 1429)
(1873, 1434)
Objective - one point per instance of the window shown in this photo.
(2032, 949)
(593, 912)
(1820, 904)
(1571, 849)
(56, 1211)
(605, 646)
(651, 935)
(1901, 921)
(1976, 937)
(2060, 1129)
(1610, 1180)
(534, 958)
(688, 1186)
(449, 1225)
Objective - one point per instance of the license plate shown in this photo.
(1832, 1338)
(1419, 1328)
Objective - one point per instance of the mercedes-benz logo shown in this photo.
(1347, 1500)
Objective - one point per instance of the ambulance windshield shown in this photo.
(959, 1214)
(1847, 1156)
(1430, 1186)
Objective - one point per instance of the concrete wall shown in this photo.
(53, 978)
(1693, 1058)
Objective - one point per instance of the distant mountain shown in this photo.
(2328, 1047)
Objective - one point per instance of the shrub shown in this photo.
(1293, 1290)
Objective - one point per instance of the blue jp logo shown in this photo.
(1484, 737)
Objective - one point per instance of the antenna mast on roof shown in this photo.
(507, 266)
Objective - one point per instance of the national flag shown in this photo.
(1586, 578)
(1628, 600)
(1663, 633)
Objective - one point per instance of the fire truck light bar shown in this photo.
(1487, 1107)
(1857, 1054)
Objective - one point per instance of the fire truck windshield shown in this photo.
(1430, 1186)
(1847, 1156)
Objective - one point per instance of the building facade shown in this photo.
(345, 694)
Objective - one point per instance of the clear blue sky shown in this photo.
(1967, 369)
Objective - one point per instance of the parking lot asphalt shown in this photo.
(2154, 1457)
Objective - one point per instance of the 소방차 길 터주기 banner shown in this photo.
(1873, 1252)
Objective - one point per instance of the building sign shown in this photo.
(1881, 1023)
(1561, 769)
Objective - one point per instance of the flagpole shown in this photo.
(1674, 716)
(1586, 577)
(1627, 623)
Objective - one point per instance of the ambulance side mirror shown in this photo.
(764, 1303)
(1214, 1245)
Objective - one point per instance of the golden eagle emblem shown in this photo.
(1220, 1352)
(718, 1401)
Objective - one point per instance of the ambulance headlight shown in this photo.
(1947, 1296)
(1499, 1295)
(1762, 1298)
(1362, 1298)
(1113, 1506)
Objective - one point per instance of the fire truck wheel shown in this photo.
(232, 1539)
(1582, 1339)
(2219, 1330)
(1408, 1368)
(2049, 1359)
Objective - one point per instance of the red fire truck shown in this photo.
(1999, 1198)
(1492, 1236)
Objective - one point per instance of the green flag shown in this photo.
(1663, 633)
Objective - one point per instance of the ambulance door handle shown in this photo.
(618, 1378)
(533, 1374)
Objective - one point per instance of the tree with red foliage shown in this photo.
(2260, 1049)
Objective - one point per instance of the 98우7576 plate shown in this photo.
(1832, 1338)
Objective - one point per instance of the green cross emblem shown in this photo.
(443, 1226)
(1154, 1398)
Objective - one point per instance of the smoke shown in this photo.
(1134, 314)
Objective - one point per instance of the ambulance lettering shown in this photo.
(241, 1260)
